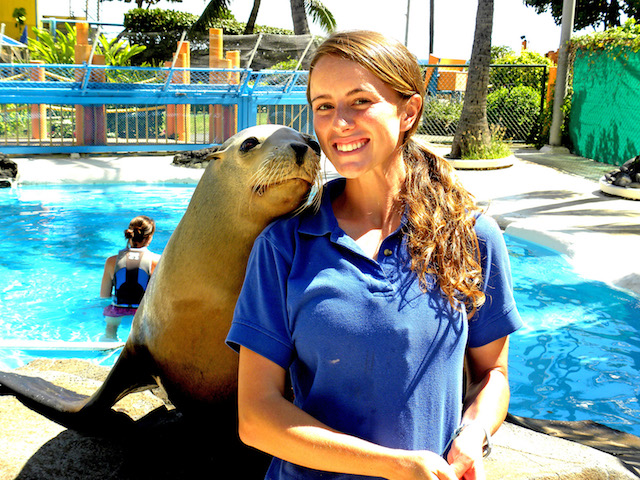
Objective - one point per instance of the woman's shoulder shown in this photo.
(281, 229)
(486, 227)
(111, 261)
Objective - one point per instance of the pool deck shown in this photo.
(548, 196)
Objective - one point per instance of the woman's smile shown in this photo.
(350, 146)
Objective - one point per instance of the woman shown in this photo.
(127, 274)
(371, 303)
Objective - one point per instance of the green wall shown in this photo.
(604, 122)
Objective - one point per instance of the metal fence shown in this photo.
(515, 101)
(91, 108)
(72, 108)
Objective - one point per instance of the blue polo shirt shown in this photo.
(369, 353)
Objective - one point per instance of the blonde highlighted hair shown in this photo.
(440, 227)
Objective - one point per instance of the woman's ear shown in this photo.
(412, 108)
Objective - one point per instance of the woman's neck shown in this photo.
(369, 209)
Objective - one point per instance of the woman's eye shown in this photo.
(362, 101)
(323, 107)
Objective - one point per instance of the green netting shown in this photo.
(605, 107)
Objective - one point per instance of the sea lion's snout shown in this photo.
(300, 150)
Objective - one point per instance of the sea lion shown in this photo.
(178, 333)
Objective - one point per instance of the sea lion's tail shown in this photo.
(82, 412)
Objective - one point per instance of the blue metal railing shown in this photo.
(33, 97)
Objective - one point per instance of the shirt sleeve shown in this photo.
(260, 321)
(499, 316)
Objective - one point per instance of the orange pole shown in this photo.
(231, 117)
(82, 50)
(216, 44)
(82, 34)
(171, 114)
(551, 84)
(38, 112)
(216, 60)
(183, 124)
(97, 113)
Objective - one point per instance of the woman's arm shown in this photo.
(269, 422)
(107, 277)
(486, 406)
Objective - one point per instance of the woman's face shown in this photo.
(358, 119)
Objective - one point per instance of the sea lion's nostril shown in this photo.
(300, 150)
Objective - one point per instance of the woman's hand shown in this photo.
(421, 465)
(465, 455)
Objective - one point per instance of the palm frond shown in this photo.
(320, 15)
(213, 10)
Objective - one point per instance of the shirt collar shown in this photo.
(324, 221)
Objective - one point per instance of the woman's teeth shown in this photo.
(349, 147)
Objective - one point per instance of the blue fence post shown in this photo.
(247, 112)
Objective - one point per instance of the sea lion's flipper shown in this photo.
(131, 373)
(81, 412)
(58, 404)
(34, 389)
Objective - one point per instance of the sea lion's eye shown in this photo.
(248, 144)
(315, 146)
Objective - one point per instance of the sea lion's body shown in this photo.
(178, 333)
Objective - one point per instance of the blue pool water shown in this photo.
(577, 357)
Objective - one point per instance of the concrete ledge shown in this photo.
(521, 453)
(62, 170)
(624, 192)
(483, 164)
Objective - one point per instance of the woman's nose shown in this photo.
(343, 119)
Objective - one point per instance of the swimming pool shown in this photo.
(577, 357)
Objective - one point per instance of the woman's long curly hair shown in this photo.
(440, 233)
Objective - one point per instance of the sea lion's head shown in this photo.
(273, 165)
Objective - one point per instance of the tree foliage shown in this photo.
(590, 13)
(140, 3)
(118, 52)
(626, 36)
(158, 30)
(58, 49)
(321, 15)
(531, 77)
(300, 9)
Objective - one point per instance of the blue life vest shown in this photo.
(131, 277)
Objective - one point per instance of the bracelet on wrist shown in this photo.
(486, 447)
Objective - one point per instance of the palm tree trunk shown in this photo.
(299, 15)
(473, 125)
(251, 23)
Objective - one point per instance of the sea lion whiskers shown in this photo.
(277, 168)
